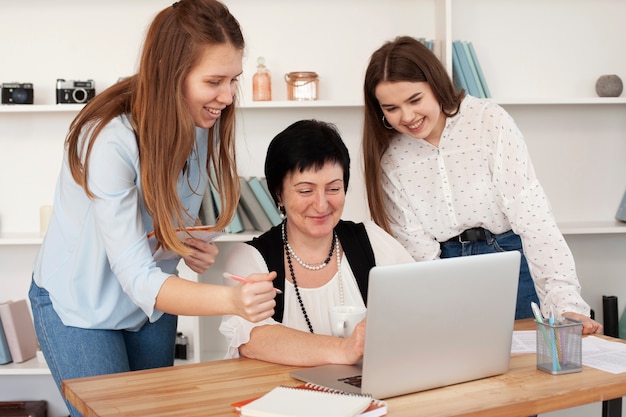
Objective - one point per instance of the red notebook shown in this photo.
(375, 409)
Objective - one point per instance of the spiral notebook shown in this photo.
(310, 400)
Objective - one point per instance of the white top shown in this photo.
(480, 175)
(244, 260)
(95, 260)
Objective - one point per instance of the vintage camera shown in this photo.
(17, 93)
(72, 91)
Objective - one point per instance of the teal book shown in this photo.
(457, 73)
(472, 66)
(265, 200)
(472, 87)
(479, 70)
(235, 225)
(5, 353)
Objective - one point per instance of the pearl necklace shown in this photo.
(293, 275)
(299, 260)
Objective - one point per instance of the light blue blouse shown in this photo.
(95, 260)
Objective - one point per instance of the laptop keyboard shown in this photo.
(352, 380)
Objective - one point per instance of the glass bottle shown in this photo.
(261, 82)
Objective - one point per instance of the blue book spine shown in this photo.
(457, 72)
(479, 70)
(472, 65)
(466, 69)
(5, 353)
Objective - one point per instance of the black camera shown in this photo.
(72, 91)
(17, 93)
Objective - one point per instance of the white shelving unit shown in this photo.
(541, 60)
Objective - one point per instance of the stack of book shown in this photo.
(256, 211)
(18, 341)
(466, 70)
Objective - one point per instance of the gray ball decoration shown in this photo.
(609, 85)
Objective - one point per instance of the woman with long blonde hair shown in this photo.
(137, 160)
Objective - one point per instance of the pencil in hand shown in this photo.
(244, 280)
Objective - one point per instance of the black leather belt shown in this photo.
(476, 234)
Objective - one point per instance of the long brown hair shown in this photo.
(163, 127)
(403, 59)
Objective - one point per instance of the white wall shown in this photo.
(530, 49)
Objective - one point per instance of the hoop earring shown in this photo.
(386, 124)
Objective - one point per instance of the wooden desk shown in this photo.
(208, 389)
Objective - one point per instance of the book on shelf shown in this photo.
(5, 353)
(252, 207)
(432, 44)
(235, 225)
(204, 233)
(310, 400)
(207, 208)
(245, 220)
(19, 330)
(265, 200)
(463, 59)
(467, 72)
(457, 72)
(479, 70)
(474, 72)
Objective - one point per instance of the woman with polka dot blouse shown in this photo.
(449, 175)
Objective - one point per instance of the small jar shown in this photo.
(302, 85)
(261, 82)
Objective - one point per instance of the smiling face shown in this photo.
(212, 83)
(411, 108)
(314, 200)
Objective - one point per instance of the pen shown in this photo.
(557, 339)
(244, 280)
(556, 366)
(536, 312)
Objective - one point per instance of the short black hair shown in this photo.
(303, 145)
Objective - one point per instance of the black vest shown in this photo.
(354, 241)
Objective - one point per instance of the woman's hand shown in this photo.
(254, 301)
(354, 345)
(589, 326)
(202, 256)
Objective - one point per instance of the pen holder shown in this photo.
(559, 347)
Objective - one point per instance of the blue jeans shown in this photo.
(73, 352)
(506, 241)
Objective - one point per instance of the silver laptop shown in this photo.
(431, 324)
